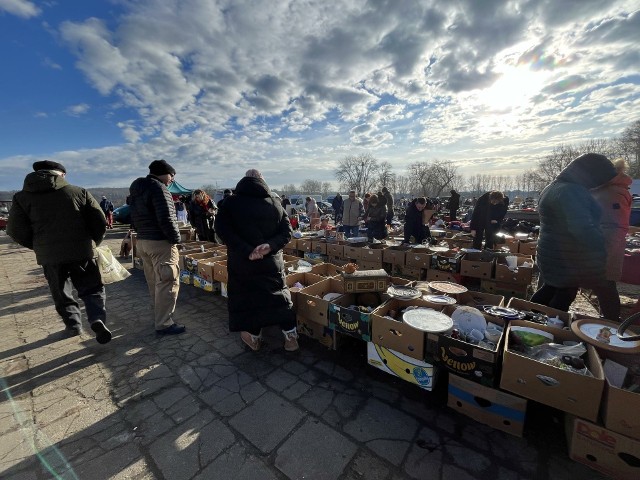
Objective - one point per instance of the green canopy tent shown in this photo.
(176, 189)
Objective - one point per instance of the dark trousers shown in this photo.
(453, 214)
(84, 275)
(562, 298)
(489, 231)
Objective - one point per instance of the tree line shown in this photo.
(435, 178)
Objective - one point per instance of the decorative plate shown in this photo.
(427, 320)
(447, 287)
(469, 318)
(435, 248)
(403, 293)
(503, 312)
(440, 299)
(603, 334)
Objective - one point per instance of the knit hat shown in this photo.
(49, 165)
(161, 167)
(227, 191)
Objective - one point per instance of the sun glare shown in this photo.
(514, 89)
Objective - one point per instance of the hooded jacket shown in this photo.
(258, 295)
(571, 248)
(615, 200)
(153, 213)
(60, 222)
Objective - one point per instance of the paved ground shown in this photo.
(200, 405)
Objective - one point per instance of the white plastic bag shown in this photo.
(111, 269)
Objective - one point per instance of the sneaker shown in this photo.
(103, 335)
(253, 341)
(174, 329)
(291, 340)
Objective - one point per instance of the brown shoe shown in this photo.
(253, 341)
(291, 340)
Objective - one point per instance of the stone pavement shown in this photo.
(202, 406)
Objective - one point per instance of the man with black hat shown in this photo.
(153, 216)
(62, 224)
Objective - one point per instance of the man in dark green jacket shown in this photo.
(62, 224)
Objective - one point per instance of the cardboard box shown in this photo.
(522, 275)
(223, 290)
(474, 299)
(191, 260)
(439, 275)
(474, 362)
(395, 255)
(410, 273)
(567, 391)
(206, 266)
(487, 405)
(459, 242)
(603, 450)
(619, 407)
(349, 321)
(395, 334)
(399, 365)
(335, 250)
(304, 244)
(507, 290)
(220, 271)
(352, 252)
(205, 284)
(306, 279)
(325, 335)
(365, 281)
(524, 305)
(186, 277)
(478, 265)
(291, 251)
(450, 261)
(325, 269)
(339, 261)
(364, 265)
(310, 300)
(319, 246)
(417, 258)
(372, 253)
(527, 247)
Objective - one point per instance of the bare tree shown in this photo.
(290, 189)
(210, 188)
(357, 173)
(312, 187)
(629, 147)
(384, 176)
(326, 188)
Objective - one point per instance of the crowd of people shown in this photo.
(584, 217)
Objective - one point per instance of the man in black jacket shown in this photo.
(62, 224)
(153, 216)
(454, 205)
(414, 225)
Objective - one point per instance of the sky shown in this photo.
(292, 87)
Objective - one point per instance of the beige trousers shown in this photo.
(160, 262)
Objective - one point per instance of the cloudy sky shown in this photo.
(291, 87)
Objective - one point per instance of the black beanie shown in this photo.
(49, 165)
(161, 167)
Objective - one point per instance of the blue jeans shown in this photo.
(350, 231)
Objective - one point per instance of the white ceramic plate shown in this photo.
(468, 318)
(440, 299)
(427, 320)
(593, 329)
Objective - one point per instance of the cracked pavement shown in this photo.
(203, 406)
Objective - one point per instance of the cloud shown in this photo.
(47, 62)
(20, 8)
(229, 84)
(77, 110)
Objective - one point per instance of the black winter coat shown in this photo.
(484, 212)
(258, 295)
(59, 221)
(413, 225)
(153, 214)
(454, 201)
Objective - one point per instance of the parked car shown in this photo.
(325, 207)
(122, 214)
